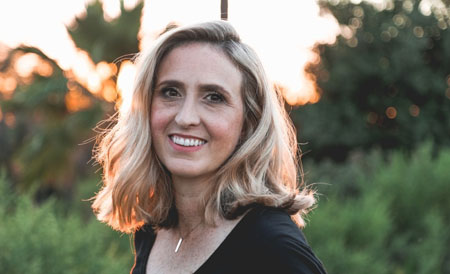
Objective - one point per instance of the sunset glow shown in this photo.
(280, 31)
(75, 100)
(7, 86)
(125, 84)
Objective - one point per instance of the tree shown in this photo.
(106, 41)
(50, 114)
(384, 83)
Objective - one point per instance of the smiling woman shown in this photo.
(203, 165)
(196, 100)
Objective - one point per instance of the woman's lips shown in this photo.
(186, 143)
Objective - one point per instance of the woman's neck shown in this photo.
(189, 201)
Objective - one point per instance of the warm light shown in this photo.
(10, 84)
(94, 83)
(302, 91)
(280, 32)
(109, 92)
(391, 112)
(82, 65)
(7, 86)
(4, 52)
(125, 83)
(71, 85)
(158, 13)
(75, 100)
(1, 114)
(85, 72)
(447, 93)
(26, 64)
(414, 110)
(105, 70)
(44, 69)
(347, 32)
(111, 9)
(428, 7)
(130, 4)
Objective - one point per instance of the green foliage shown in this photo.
(106, 41)
(389, 58)
(41, 238)
(375, 216)
(44, 145)
(381, 216)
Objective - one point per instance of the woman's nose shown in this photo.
(188, 115)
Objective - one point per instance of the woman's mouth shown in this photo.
(187, 141)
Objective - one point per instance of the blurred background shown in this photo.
(367, 84)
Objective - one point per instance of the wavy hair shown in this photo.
(264, 168)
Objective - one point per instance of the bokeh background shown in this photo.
(367, 85)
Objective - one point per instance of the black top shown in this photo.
(266, 240)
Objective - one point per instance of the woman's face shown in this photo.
(197, 111)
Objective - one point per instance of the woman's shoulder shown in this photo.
(270, 222)
(279, 241)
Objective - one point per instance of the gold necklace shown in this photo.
(185, 237)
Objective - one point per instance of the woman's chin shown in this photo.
(189, 174)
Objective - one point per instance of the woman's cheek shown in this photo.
(160, 119)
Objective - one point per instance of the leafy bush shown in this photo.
(382, 216)
(375, 215)
(45, 239)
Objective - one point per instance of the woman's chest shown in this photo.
(191, 255)
(193, 252)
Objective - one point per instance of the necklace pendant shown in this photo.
(178, 245)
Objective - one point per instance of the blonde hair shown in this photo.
(264, 168)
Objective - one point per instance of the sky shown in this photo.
(281, 31)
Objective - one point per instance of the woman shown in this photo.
(203, 165)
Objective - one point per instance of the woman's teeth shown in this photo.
(187, 142)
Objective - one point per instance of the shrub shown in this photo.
(383, 216)
(42, 239)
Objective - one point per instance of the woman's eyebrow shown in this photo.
(215, 87)
(173, 83)
(202, 87)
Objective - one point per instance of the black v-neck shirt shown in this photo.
(265, 240)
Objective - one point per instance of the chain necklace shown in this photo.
(180, 241)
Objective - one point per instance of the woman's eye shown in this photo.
(215, 97)
(170, 92)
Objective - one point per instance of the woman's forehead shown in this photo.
(200, 62)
